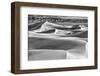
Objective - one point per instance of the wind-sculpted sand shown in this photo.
(52, 41)
(56, 48)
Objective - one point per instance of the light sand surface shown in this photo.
(42, 48)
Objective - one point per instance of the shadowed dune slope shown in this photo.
(35, 26)
(40, 43)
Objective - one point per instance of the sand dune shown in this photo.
(48, 49)
(50, 41)
(55, 29)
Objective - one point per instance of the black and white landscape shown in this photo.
(57, 37)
